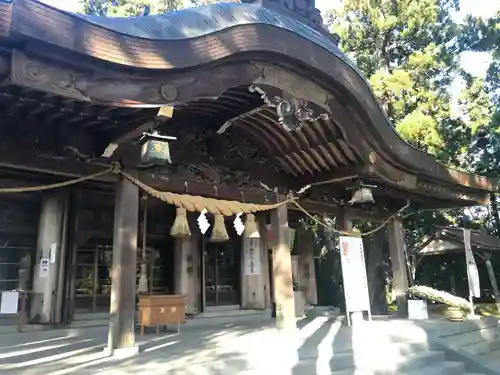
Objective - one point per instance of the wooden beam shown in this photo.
(374, 214)
(28, 162)
(174, 182)
(63, 168)
(134, 133)
(341, 176)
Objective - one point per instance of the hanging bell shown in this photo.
(362, 195)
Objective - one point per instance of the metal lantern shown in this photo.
(155, 152)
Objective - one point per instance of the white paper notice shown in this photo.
(10, 301)
(44, 268)
(354, 274)
(53, 251)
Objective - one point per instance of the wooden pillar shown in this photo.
(282, 270)
(265, 261)
(253, 279)
(186, 271)
(493, 279)
(121, 340)
(397, 249)
(47, 299)
(307, 271)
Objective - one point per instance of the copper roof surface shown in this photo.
(192, 56)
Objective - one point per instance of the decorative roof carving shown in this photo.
(305, 8)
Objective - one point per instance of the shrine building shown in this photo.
(121, 136)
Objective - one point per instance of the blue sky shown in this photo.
(475, 63)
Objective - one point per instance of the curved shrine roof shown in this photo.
(200, 53)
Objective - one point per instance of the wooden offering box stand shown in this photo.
(161, 310)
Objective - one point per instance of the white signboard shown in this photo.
(252, 256)
(472, 273)
(417, 310)
(9, 304)
(354, 274)
(44, 268)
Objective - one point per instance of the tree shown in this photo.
(126, 8)
(407, 51)
(206, 2)
(483, 35)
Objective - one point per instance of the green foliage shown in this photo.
(407, 51)
(127, 8)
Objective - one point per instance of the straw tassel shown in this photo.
(181, 226)
(251, 229)
(219, 232)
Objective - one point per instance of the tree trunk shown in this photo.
(494, 212)
(493, 281)
(329, 269)
(412, 274)
(376, 271)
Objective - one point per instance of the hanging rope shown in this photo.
(345, 233)
(194, 203)
(198, 203)
(30, 189)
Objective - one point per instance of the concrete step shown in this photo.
(351, 371)
(444, 329)
(403, 348)
(481, 348)
(206, 320)
(346, 361)
(442, 368)
(471, 337)
(420, 360)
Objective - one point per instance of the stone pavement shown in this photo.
(212, 350)
(248, 348)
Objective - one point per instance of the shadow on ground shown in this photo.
(321, 345)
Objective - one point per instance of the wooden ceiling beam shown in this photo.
(375, 214)
(164, 182)
(28, 162)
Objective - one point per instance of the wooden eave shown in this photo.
(135, 62)
(452, 235)
(479, 239)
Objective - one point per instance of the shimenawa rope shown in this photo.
(197, 203)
